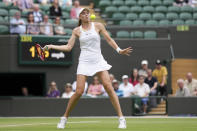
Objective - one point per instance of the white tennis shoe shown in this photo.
(62, 123)
(122, 123)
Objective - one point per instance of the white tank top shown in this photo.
(90, 45)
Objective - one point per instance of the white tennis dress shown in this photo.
(91, 60)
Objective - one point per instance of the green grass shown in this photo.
(99, 124)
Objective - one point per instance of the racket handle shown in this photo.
(46, 48)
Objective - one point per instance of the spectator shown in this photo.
(115, 85)
(134, 77)
(59, 29)
(191, 84)
(74, 13)
(46, 28)
(8, 2)
(143, 71)
(37, 14)
(126, 87)
(32, 28)
(74, 85)
(181, 2)
(25, 91)
(182, 91)
(161, 74)
(25, 4)
(152, 82)
(142, 90)
(95, 89)
(44, 2)
(55, 10)
(53, 91)
(68, 91)
(17, 25)
(111, 77)
(65, 3)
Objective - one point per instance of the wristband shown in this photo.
(118, 50)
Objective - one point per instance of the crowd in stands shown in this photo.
(142, 83)
(187, 87)
(39, 22)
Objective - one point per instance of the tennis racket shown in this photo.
(40, 52)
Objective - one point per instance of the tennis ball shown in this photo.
(92, 16)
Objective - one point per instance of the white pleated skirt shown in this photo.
(90, 69)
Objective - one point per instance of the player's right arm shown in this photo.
(66, 48)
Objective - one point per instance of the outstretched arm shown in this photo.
(111, 42)
(65, 48)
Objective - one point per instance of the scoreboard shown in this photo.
(27, 54)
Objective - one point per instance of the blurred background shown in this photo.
(159, 78)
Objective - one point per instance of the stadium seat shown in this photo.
(162, 9)
(138, 23)
(124, 9)
(2, 20)
(185, 16)
(24, 13)
(4, 6)
(13, 11)
(145, 16)
(68, 32)
(150, 35)
(178, 22)
(3, 12)
(156, 2)
(6, 19)
(168, 2)
(195, 9)
(136, 9)
(66, 8)
(172, 16)
(186, 8)
(104, 3)
(71, 22)
(136, 34)
(148, 9)
(143, 2)
(118, 16)
(174, 9)
(190, 22)
(164, 23)
(65, 15)
(158, 16)
(111, 9)
(131, 16)
(130, 2)
(122, 34)
(195, 16)
(125, 23)
(151, 23)
(117, 3)
(4, 29)
(51, 21)
(44, 7)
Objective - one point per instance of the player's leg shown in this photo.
(105, 79)
(81, 79)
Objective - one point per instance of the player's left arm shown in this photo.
(111, 42)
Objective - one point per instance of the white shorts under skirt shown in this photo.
(90, 69)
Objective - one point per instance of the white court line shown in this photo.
(192, 117)
(36, 124)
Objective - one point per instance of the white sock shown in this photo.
(63, 117)
(122, 117)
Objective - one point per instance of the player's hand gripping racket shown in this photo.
(40, 52)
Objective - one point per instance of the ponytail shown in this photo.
(79, 23)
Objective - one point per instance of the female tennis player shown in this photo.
(91, 62)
